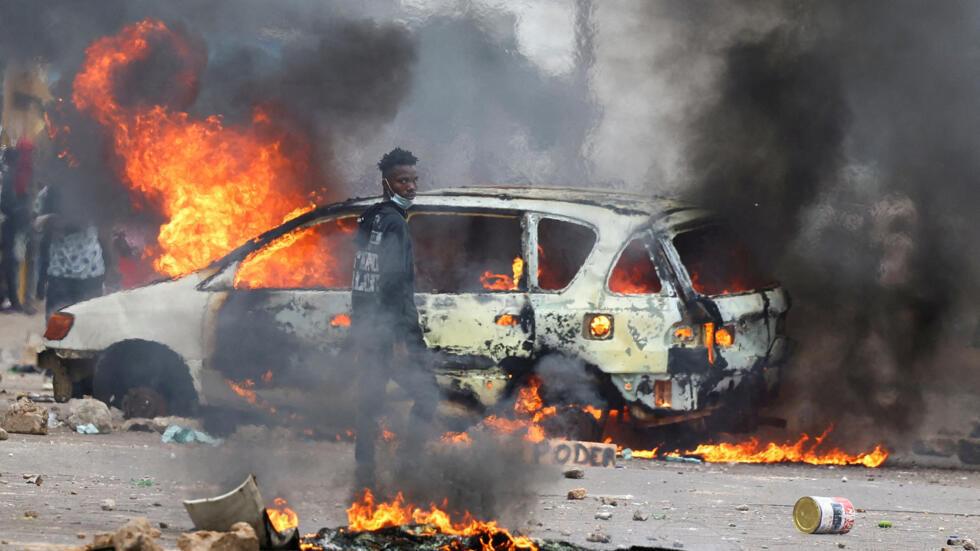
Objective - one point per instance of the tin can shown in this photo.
(823, 515)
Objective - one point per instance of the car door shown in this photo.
(281, 319)
(471, 291)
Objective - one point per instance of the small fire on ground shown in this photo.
(806, 449)
(282, 518)
(367, 516)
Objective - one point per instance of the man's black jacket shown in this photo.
(383, 308)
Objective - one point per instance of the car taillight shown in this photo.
(598, 326)
(58, 326)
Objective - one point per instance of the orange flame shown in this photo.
(340, 320)
(804, 450)
(507, 319)
(282, 518)
(366, 515)
(217, 184)
(503, 282)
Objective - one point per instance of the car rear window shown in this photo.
(320, 256)
(718, 262)
(467, 253)
(562, 248)
(634, 273)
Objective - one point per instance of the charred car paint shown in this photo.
(653, 296)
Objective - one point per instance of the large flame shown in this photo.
(282, 518)
(217, 184)
(366, 515)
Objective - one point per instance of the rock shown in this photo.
(89, 411)
(31, 513)
(108, 505)
(102, 540)
(969, 451)
(742, 507)
(81, 535)
(26, 417)
(603, 515)
(843, 479)
(577, 493)
(597, 536)
(841, 545)
(609, 501)
(969, 544)
(574, 473)
(640, 515)
(163, 525)
(136, 535)
(241, 538)
(3, 435)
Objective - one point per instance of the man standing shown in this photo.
(385, 330)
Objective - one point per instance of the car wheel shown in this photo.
(143, 378)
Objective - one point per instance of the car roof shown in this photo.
(620, 202)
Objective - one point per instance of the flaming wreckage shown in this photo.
(658, 304)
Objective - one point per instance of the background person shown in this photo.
(75, 254)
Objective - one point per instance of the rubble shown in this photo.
(577, 493)
(415, 538)
(3, 434)
(108, 504)
(640, 515)
(31, 513)
(598, 536)
(603, 515)
(574, 473)
(241, 537)
(136, 535)
(742, 507)
(89, 411)
(26, 417)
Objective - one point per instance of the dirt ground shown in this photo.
(690, 506)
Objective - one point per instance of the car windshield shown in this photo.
(718, 262)
(315, 256)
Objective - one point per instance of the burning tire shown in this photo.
(126, 371)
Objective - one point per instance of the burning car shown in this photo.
(657, 301)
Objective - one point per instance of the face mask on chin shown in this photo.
(402, 202)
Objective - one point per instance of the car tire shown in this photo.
(144, 368)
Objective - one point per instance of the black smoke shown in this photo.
(841, 145)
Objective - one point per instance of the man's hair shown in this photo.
(395, 157)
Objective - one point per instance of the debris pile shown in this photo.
(26, 417)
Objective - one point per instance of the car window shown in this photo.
(634, 273)
(562, 248)
(320, 256)
(467, 253)
(718, 262)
